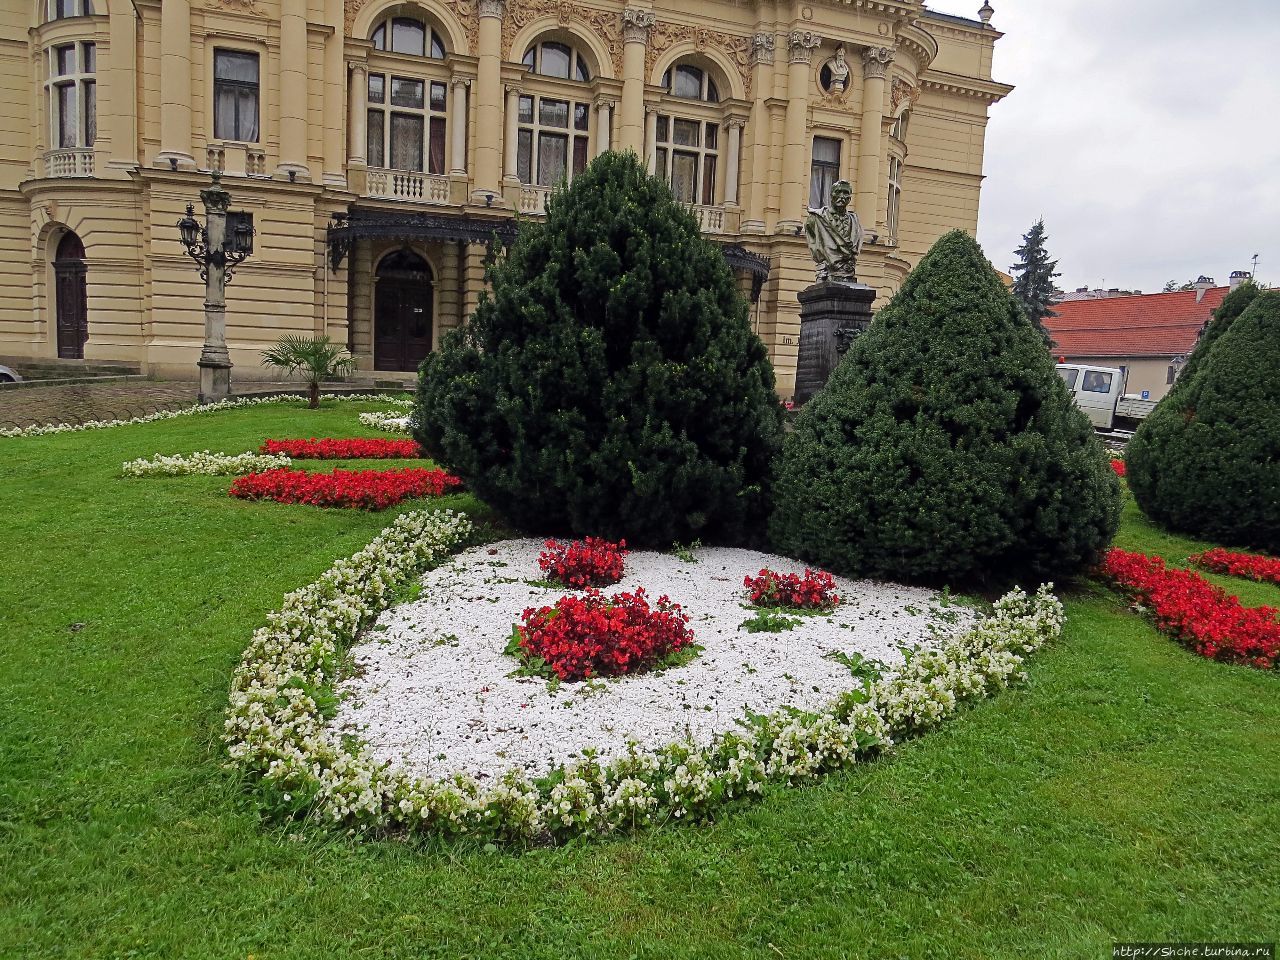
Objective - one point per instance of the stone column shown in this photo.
(604, 123)
(488, 101)
(875, 64)
(757, 132)
(651, 139)
(795, 151)
(732, 156)
(293, 89)
(175, 83)
(358, 116)
(636, 24)
(458, 127)
(334, 94)
(511, 134)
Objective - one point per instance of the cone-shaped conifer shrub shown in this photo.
(611, 385)
(946, 447)
(1232, 305)
(1207, 460)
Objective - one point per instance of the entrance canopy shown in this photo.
(406, 226)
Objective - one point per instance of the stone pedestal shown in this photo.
(215, 380)
(831, 315)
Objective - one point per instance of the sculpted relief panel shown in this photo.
(605, 24)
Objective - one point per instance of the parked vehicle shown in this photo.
(9, 375)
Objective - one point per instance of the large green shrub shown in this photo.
(946, 446)
(611, 385)
(1207, 461)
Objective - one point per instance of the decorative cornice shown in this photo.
(918, 43)
(636, 24)
(762, 45)
(955, 85)
(875, 61)
(802, 44)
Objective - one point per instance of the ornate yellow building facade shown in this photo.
(378, 148)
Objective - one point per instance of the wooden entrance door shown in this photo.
(402, 312)
(71, 301)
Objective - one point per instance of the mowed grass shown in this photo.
(1129, 792)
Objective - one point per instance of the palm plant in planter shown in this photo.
(317, 358)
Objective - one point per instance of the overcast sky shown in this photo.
(1145, 132)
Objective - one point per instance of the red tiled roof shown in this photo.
(1149, 325)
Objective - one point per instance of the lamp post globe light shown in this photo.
(217, 252)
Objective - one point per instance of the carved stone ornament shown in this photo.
(243, 6)
(603, 24)
(875, 61)
(762, 45)
(492, 8)
(901, 91)
(803, 43)
(636, 24)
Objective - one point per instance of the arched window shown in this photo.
(690, 83)
(551, 58)
(63, 9)
(407, 35)
(408, 105)
(687, 133)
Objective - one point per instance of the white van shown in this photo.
(1096, 390)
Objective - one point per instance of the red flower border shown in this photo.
(336, 448)
(360, 489)
(1119, 467)
(1206, 618)
(1252, 566)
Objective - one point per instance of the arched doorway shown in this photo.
(71, 302)
(402, 311)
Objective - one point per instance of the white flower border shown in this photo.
(390, 422)
(277, 733)
(39, 430)
(204, 463)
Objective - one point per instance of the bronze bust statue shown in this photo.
(835, 236)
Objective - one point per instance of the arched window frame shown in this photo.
(690, 136)
(408, 103)
(554, 134)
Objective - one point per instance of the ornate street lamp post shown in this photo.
(217, 255)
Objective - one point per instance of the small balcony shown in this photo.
(72, 162)
(236, 159)
(406, 185)
(711, 219)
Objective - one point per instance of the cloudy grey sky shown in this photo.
(1145, 132)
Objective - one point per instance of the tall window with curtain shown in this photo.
(408, 96)
(824, 170)
(553, 127)
(688, 133)
(893, 206)
(235, 95)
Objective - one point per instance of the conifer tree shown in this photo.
(1207, 460)
(946, 447)
(1034, 286)
(611, 385)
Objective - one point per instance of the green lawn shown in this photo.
(1129, 792)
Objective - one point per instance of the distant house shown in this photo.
(1147, 336)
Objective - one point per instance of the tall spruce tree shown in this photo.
(946, 447)
(1034, 286)
(611, 385)
(1207, 460)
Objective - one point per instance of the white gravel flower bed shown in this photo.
(390, 422)
(433, 691)
(204, 463)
